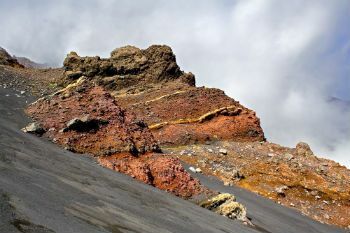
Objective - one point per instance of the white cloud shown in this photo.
(283, 59)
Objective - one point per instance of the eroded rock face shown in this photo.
(128, 67)
(180, 115)
(87, 119)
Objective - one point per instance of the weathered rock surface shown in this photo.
(179, 114)
(87, 119)
(225, 204)
(128, 67)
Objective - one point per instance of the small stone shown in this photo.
(281, 190)
(270, 154)
(314, 192)
(198, 170)
(210, 150)
(192, 169)
(223, 151)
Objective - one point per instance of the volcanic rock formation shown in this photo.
(139, 114)
(99, 111)
(86, 119)
(128, 67)
(149, 83)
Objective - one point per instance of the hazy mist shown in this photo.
(283, 59)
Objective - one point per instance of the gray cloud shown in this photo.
(282, 59)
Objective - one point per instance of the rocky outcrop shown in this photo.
(180, 115)
(7, 60)
(128, 67)
(151, 86)
(303, 149)
(86, 119)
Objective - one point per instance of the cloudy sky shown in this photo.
(284, 59)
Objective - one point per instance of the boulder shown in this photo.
(34, 128)
(223, 151)
(225, 204)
